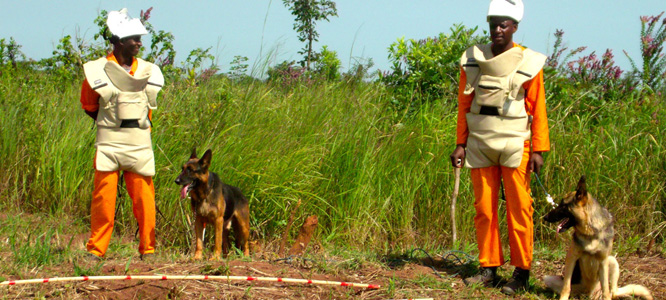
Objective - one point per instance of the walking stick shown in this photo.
(456, 185)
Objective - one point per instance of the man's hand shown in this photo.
(458, 156)
(535, 163)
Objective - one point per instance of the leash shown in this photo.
(548, 197)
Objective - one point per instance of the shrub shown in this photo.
(598, 79)
(359, 71)
(238, 68)
(286, 73)
(10, 52)
(653, 70)
(327, 65)
(427, 70)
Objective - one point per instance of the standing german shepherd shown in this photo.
(216, 203)
(589, 267)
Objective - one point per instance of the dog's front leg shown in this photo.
(569, 266)
(226, 244)
(219, 222)
(198, 236)
(613, 274)
(603, 278)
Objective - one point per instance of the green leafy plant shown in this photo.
(653, 69)
(286, 73)
(10, 52)
(359, 71)
(308, 13)
(327, 65)
(426, 70)
(238, 68)
(66, 61)
(192, 66)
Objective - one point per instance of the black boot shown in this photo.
(518, 281)
(487, 276)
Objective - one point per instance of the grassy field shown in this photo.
(374, 177)
(380, 181)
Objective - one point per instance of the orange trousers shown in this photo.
(103, 208)
(519, 210)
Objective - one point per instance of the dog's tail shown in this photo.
(633, 290)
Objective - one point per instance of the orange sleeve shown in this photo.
(535, 104)
(464, 105)
(89, 98)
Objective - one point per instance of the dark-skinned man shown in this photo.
(502, 131)
(119, 93)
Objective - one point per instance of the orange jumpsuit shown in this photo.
(486, 183)
(102, 208)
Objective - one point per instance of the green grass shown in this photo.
(377, 179)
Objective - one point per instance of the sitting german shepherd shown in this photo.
(589, 267)
(216, 203)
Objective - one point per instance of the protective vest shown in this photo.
(498, 122)
(124, 97)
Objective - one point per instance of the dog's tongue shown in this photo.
(183, 191)
(559, 226)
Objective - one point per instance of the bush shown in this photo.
(327, 65)
(10, 52)
(653, 71)
(597, 80)
(427, 70)
(286, 73)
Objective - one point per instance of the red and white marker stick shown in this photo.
(191, 277)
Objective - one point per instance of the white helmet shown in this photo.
(506, 8)
(121, 25)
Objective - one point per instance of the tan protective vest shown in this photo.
(124, 97)
(497, 84)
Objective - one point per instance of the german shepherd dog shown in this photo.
(214, 202)
(589, 267)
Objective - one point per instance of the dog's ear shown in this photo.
(581, 192)
(194, 153)
(204, 162)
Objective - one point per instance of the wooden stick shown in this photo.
(456, 185)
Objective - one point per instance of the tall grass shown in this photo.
(374, 177)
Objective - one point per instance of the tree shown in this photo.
(307, 13)
(10, 52)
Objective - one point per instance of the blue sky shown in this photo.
(262, 29)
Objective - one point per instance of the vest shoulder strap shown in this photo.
(471, 67)
(94, 72)
(98, 79)
(531, 65)
(155, 80)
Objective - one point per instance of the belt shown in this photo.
(133, 123)
(487, 110)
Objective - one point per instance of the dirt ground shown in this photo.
(408, 280)
(415, 276)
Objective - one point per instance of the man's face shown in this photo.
(131, 45)
(501, 30)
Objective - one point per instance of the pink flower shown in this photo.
(145, 16)
(559, 33)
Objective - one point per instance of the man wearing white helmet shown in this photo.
(502, 131)
(119, 93)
